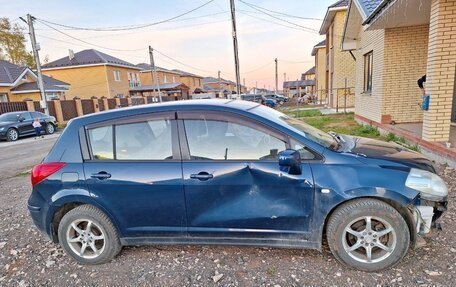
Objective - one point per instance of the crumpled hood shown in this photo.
(375, 149)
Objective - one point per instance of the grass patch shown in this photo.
(342, 124)
(303, 113)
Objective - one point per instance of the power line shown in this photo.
(245, 12)
(183, 64)
(88, 43)
(285, 14)
(258, 68)
(278, 18)
(129, 27)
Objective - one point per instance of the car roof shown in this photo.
(232, 104)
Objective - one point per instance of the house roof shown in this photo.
(368, 6)
(302, 83)
(88, 57)
(330, 13)
(320, 45)
(340, 3)
(147, 68)
(167, 86)
(311, 71)
(186, 74)
(9, 72)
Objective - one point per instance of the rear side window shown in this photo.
(148, 140)
(151, 140)
(101, 143)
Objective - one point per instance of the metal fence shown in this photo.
(68, 109)
(87, 107)
(112, 104)
(137, 101)
(12, 107)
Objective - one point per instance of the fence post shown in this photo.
(129, 101)
(78, 104)
(58, 111)
(30, 105)
(117, 102)
(95, 105)
(105, 103)
(145, 100)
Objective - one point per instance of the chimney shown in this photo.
(70, 54)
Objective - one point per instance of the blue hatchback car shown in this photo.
(230, 172)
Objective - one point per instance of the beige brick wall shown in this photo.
(440, 70)
(320, 73)
(85, 82)
(404, 63)
(343, 64)
(369, 105)
(121, 87)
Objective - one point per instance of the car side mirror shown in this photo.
(20, 119)
(290, 161)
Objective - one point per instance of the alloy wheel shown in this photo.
(13, 135)
(50, 129)
(369, 239)
(86, 238)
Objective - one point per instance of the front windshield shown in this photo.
(311, 133)
(307, 130)
(9, 117)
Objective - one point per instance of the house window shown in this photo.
(117, 76)
(3, 98)
(368, 64)
(165, 79)
(174, 79)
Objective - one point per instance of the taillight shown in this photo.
(43, 170)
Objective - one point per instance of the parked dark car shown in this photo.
(272, 103)
(14, 125)
(230, 172)
(279, 98)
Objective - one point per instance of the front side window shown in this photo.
(222, 140)
(368, 70)
(148, 140)
(26, 116)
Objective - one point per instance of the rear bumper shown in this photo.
(37, 215)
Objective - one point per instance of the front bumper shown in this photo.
(426, 215)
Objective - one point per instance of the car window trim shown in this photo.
(220, 116)
(131, 120)
(320, 158)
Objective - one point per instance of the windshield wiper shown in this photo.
(337, 138)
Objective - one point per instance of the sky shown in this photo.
(199, 42)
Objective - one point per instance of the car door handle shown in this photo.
(201, 176)
(101, 175)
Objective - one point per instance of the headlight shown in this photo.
(430, 185)
(2, 129)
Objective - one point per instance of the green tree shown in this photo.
(12, 44)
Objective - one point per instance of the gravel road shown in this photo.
(26, 259)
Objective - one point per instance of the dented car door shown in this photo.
(233, 183)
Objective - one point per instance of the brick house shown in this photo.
(93, 73)
(170, 83)
(309, 75)
(20, 83)
(340, 65)
(194, 82)
(321, 85)
(395, 43)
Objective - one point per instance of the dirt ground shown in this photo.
(27, 259)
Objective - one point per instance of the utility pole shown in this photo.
(153, 72)
(284, 77)
(235, 45)
(276, 75)
(36, 48)
(220, 85)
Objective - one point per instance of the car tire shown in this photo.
(50, 129)
(350, 238)
(74, 233)
(12, 135)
